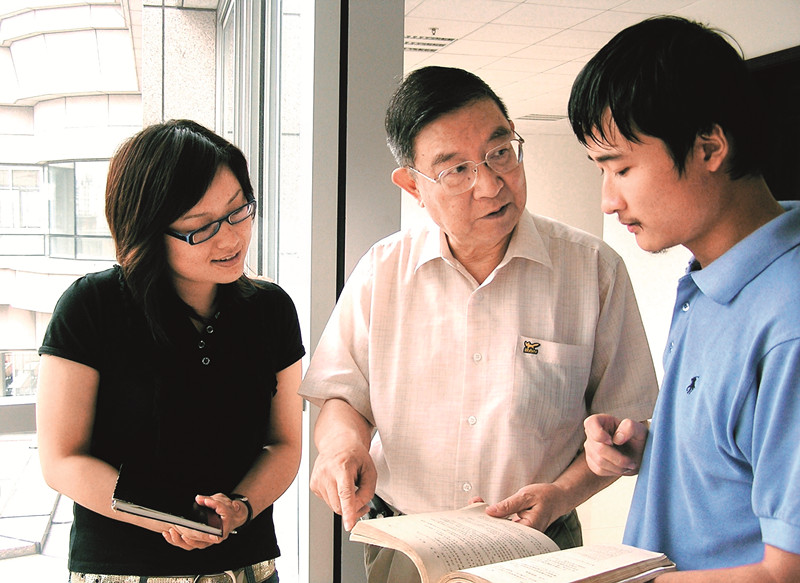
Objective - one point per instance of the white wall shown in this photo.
(562, 183)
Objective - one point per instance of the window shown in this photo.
(20, 372)
(78, 228)
(262, 82)
(23, 211)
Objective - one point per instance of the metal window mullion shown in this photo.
(269, 96)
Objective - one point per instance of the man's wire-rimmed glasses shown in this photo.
(461, 177)
(205, 232)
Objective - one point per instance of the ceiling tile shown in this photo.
(468, 62)
(594, 4)
(611, 21)
(583, 39)
(765, 27)
(550, 53)
(472, 10)
(442, 28)
(523, 65)
(547, 16)
(530, 52)
(491, 49)
(654, 6)
(510, 32)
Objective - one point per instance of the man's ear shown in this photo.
(402, 178)
(714, 147)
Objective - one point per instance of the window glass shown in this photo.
(74, 211)
(61, 178)
(23, 212)
(21, 204)
(9, 201)
(32, 209)
(90, 186)
(20, 372)
(294, 199)
(94, 248)
(25, 178)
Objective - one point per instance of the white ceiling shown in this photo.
(529, 51)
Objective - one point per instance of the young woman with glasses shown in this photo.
(175, 366)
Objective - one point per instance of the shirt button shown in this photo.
(201, 344)
(685, 307)
(477, 357)
(210, 329)
(671, 346)
(472, 420)
(466, 486)
(206, 360)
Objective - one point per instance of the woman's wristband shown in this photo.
(243, 499)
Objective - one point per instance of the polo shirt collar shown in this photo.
(725, 277)
(526, 243)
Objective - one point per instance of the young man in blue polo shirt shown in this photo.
(668, 113)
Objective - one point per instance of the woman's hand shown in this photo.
(188, 539)
(232, 512)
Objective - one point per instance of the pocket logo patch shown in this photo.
(531, 347)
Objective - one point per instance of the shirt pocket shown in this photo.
(550, 382)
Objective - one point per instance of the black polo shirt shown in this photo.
(194, 410)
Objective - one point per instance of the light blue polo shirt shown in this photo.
(721, 469)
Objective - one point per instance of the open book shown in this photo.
(467, 545)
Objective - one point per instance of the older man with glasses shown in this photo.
(464, 355)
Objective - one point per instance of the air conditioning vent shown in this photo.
(542, 117)
(426, 44)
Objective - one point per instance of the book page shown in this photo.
(592, 563)
(448, 541)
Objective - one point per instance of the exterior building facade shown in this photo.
(77, 78)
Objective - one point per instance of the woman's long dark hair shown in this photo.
(154, 178)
